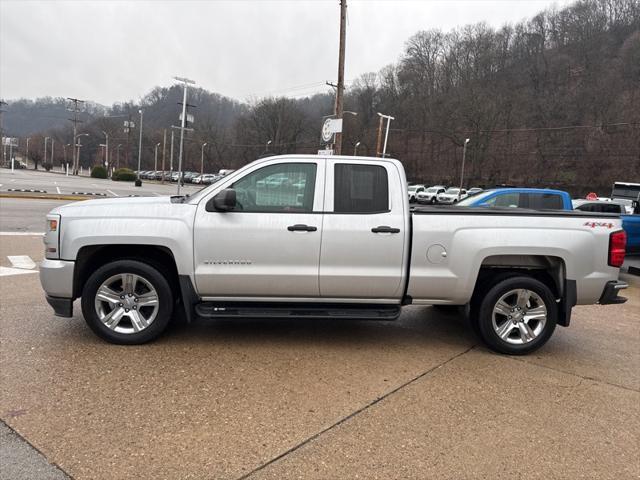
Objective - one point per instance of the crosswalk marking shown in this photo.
(8, 271)
(22, 261)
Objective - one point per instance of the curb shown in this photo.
(42, 196)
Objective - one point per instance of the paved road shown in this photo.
(61, 184)
(416, 398)
(25, 215)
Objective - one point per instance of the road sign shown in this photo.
(189, 118)
(330, 127)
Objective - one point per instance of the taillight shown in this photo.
(617, 245)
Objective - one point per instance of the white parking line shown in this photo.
(58, 189)
(113, 193)
(8, 271)
(22, 261)
(23, 234)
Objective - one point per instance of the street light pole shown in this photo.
(76, 151)
(155, 159)
(118, 155)
(46, 140)
(185, 82)
(386, 135)
(138, 182)
(464, 155)
(26, 155)
(355, 149)
(52, 140)
(202, 158)
(266, 146)
(106, 151)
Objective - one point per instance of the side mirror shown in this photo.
(225, 201)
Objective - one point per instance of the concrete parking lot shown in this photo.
(56, 183)
(415, 398)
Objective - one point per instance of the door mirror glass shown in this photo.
(224, 201)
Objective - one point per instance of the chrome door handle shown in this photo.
(385, 229)
(301, 228)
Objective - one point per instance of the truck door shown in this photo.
(365, 231)
(269, 245)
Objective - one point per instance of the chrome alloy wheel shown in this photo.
(126, 303)
(519, 316)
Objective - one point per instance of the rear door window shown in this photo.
(360, 189)
(541, 201)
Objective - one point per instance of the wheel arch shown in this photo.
(548, 269)
(92, 257)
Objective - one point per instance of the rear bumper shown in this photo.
(610, 293)
(62, 307)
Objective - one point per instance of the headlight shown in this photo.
(52, 236)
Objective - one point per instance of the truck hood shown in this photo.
(120, 207)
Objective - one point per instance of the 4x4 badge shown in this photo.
(599, 224)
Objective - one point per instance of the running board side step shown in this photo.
(293, 310)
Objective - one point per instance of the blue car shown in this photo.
(534, 198)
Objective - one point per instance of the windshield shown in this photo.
(453, 191)
(474, 200)
(432, 189)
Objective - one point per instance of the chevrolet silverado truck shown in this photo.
(334, 237)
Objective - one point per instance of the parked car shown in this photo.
(630, 222)
(413, 190)
(452, 195)
(197, 179)
(533, 198)
(430, 195)
(189, 176)
(133, 260)
(474, 191)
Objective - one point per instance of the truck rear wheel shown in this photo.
(127, 302)
(517, 316)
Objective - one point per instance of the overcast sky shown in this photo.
(111, 51)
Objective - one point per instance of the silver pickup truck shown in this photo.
(306, 236)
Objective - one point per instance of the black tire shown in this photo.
(151, 274)
(484, 318)
(433, 201)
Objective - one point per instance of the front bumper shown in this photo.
(56, 277)
(62, 307)
(610, 293)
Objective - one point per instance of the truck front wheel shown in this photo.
(517, 316)
(127, 302)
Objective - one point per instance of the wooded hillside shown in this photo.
(553, 101)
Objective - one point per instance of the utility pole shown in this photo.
(52, 160)
(464, 155)
(171, 155)
(138, 181)
(164, 152)
(379, 141)
(185, 82)
(340, 87)
(75, 121)
(46, 140)
(4, 147)
(26, 155)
